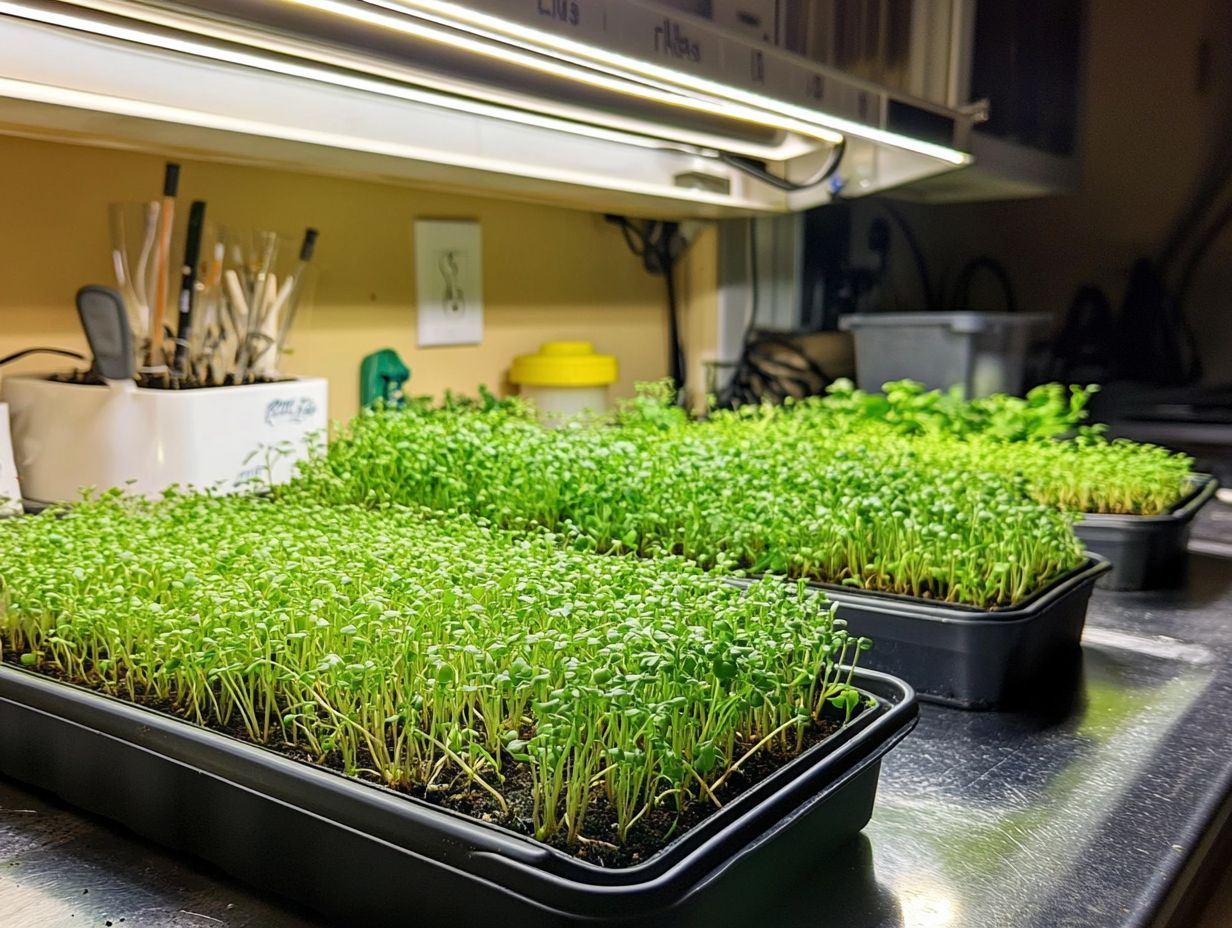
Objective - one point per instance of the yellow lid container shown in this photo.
(564, 364)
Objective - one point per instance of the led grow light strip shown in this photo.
(125, 106)
(479, 23)
(629, 133)
(500, 51)
(578, 72)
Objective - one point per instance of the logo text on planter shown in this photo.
(290, 411)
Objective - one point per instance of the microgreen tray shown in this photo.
(968, 657)
(1147, 552)
(362, 854)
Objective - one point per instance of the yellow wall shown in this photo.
(548, 272)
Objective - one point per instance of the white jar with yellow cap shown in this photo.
(565, 379)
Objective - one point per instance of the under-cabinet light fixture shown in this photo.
(485, 24)
(395, 83)
(501, 51)
(467, 30)
(288, 68)
(557, 66)
(35, 92)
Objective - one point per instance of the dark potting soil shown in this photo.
(163, 381)
(654, 831)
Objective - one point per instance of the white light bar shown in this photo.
(566, 49)
(578, 72)
(300, 43)
(140, 109)
(398, 83)
(553, 66)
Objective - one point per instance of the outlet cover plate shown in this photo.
(449, 282)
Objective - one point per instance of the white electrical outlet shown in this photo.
(449, 276)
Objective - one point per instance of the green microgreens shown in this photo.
(427, 651)
(759, 489)
(1040, 438)
(1047, 411)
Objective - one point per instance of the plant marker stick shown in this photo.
(288, 302)
(265, 329)
(239, 311)
(143, 282)
(207, 321)
(258, 292)
(264, 360)
(188, 285)
(166, 219)
(213, 284)
(124, 273)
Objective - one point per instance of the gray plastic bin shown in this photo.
(982, 352)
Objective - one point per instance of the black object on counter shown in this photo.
(1147, 552)
(366, 855)
(105, 321)
(188, 285)
(969, 657)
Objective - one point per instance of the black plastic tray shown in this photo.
(1147, 552)
(364, 855)
(969, 657)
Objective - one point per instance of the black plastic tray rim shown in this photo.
(936, 610)
(506, 861)
(1183, 510)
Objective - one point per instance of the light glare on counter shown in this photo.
(926, 907)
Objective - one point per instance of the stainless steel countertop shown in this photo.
(1082, 816)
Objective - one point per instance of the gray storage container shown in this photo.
(982, 352)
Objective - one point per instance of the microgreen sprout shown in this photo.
(759, 489)
(1040, 438)
(428, 652)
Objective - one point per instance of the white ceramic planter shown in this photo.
(70, 436)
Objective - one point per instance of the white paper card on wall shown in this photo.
(10, 493)
(449, 282)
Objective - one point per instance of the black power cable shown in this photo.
(18, 355)
(1081, 351)
(658, 244)
(1155, 340)
(757, 170)
(1188, 272)
(771, 366)
(931, 301)
(1203, 244)
(962, 283)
